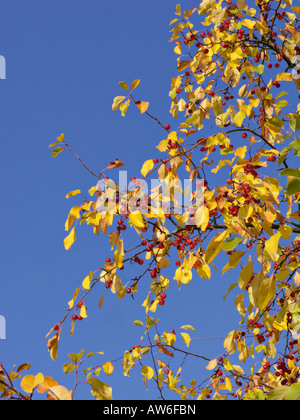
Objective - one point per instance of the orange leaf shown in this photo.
(116, 164)
(142, 106)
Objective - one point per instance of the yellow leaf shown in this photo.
(233, 260)
(285, 77)
(229, 343)
(245, 275)
(73, 215)
(38, 379)
(92, 190)
(241, 152)
(162, 262)
(116, 284)
(83, 312)
(215, 246)
(146, 303)
(212, 364)
(186, 338)
(142, 106)
(100, 390)
(147, 166)
(117, 102)
(71, 302)
(297, 279)
(27, 383)
(136, 219)
(227, 365)
(70, 239)
(135, 84)
(266, 292)
(148, 372)
(285, 231)
(239, 118)
(202, 217)
(170, 337)
(118, 259)
(100, 302)
(153, 306)
(271, 245)
(72, 193)
(53, 351)
(61, 138)
(108, 368)
(87, 281)
(61, 393)
(249, 23)
(124, 85)
(228, 384)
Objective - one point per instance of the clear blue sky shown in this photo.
(64, 61)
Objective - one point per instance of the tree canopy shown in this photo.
(225, 186)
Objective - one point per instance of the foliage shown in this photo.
(232, 63)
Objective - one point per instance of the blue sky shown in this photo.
(64, 61)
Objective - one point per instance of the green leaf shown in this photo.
(56, 151)
(276, 121)
(294, 122)
(283, 154)
(278, 393)
(76, 357)
(290, 172)
(231, 244)
(293, 392)
(293, 187)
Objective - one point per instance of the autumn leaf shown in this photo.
(70, 239)
(142, 106)
(115, 164)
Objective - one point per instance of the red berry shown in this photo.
(155, 161)
(74, 317)
(167, 127)
(128, 291)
